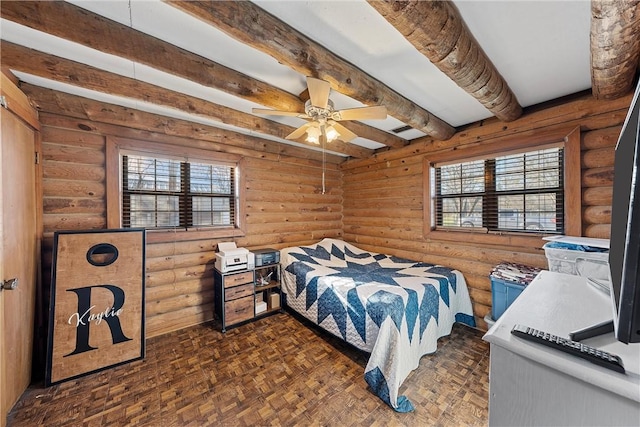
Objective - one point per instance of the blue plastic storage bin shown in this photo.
(504, 292)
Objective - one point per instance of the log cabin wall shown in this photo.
(375, 203)
(383, 195)
(281, 185)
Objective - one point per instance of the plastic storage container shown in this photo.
(579, 260)
(508, 280)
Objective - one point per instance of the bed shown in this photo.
(393, 308)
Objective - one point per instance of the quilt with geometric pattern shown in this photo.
(394, 308)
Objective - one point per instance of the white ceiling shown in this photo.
(541, 48)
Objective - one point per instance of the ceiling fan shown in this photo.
(323, 119)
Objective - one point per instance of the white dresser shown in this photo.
(531, 384)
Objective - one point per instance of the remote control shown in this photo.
(591, 354)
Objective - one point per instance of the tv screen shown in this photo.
(624, 253)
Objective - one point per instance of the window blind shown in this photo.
(512, 192)
(169, 193)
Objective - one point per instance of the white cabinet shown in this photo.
(531, 384)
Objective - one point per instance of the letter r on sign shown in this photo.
(84, 305)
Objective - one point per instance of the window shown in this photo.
(511, 192)
(172, 193)
(505, 190)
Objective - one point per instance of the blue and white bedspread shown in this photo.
(393, 308)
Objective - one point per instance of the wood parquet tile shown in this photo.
(276, 371)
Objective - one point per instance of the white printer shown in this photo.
(231, 258)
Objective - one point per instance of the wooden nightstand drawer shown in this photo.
(238, 292)
(238, 310)
(238, 279)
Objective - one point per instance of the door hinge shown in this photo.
(37, 158)
(3, 102)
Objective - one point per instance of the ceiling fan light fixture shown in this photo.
(313, 135)
(332, 134)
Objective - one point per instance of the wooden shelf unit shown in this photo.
(238, 294)
(269, 293)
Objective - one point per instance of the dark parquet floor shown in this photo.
(276, 371)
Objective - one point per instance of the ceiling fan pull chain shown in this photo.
(323, 163)
(323, 138)
(322, 182)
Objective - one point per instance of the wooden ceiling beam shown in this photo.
(253, 26)
(97, 32)
(58, 69)
(115, 120)
(437, 30)
(615, 47)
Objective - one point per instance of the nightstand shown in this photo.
(244, 295)
(234, 297)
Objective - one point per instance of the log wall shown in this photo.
(375, 203)
(383, 196)
(284, 207)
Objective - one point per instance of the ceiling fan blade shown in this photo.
(300, 131)
(363, 113)
(345, 134)
(318, 92)
(278, 113)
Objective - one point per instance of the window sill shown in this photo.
(504, 238)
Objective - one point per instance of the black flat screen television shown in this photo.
(624, 245)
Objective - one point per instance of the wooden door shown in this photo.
(18, 256)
